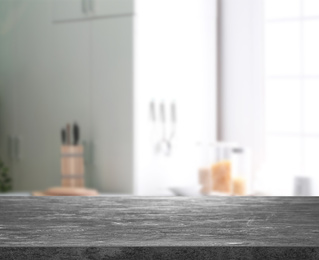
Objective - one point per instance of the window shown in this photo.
(292, 90)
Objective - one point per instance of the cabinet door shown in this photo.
(6, 83)
(112, 104)
(33, 49)
(51, 89)
(71, 92)
(64, 10)
(111, 7)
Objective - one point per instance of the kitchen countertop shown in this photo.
(159, 228)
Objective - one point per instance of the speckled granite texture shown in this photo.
(159, 228)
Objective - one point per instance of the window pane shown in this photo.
(311, 106)
(281, 8)
(283, 161)
(312, 156)
(311, 47)
(312, 163)
(282, 48)
(283, 105)
(310, 7)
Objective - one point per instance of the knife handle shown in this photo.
(76, 134)
(68, 134)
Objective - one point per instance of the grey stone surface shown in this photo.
(159, 228)
(140, 253)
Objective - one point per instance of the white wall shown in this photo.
(240, 75)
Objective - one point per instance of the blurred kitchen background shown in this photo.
(169, 97)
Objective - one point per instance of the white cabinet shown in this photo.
(70, 96)
(46, 84)
(51, 88)
(32, 81)
(58, 73)
(175, 62)
(112, 103)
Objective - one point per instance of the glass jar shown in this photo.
(221, 167)
(242, 178)
(224, 169)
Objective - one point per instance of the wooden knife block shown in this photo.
(72, 166)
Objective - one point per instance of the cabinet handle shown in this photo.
(173, 112)
(162, 110)
(153, 111)
(163, 120)
(173, 120)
